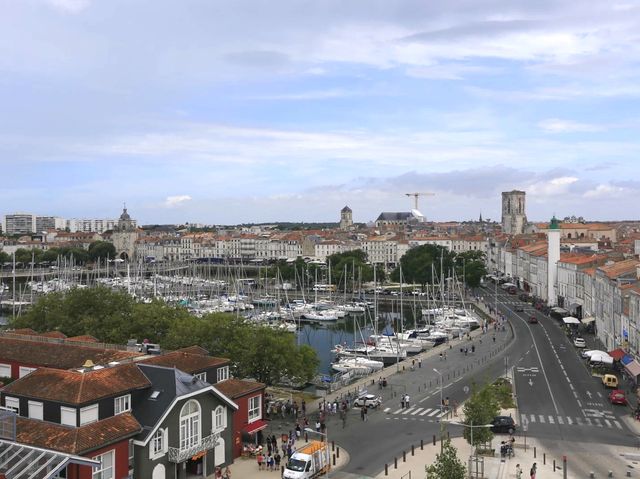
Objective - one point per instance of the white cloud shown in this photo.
(553, 187)
(70, 6)
(605, 191)
(555, 125)
(172, 201)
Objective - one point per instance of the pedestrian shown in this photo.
(419, 363)
(473, 348)
(494, 339)
(218, 473)
(406, 401)
(298, 431)
(440, 356)
(518, 471)
(446, 403)
(455, 408)
(317, 426)
(445, 353)
(277, 460)
(402, 402)
(227, 473)
(532, 472)
(260, 460)
(466, 351)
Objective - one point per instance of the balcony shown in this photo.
(181, 455)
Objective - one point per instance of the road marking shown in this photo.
(569, 421)
(406, 411)
(423, 399)
(617, 424)
(560, 420)
(533, 418)
(588, 420)
(579, 421)
(607, 422)
(551, 421)
(416, 411)
(396, 412)
(427, 410)
(579, 403)
(599, 394)
(597, 421)
(434, 412)
(541, 417)
(386, 409)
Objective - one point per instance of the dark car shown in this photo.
(519, 309)
(503, 424)
(533, 320)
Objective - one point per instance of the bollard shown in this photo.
(333, 446)
(534, 452)
(610, 474)
(554, 465)
(395, 463)
(306, 437)
(334, 459)
(338, 452)
(592, 475)
(544, 458)
(434, 439)
(564, 467)
(412, 450)
(628, 473)
(421, 445)
(386, 469)
(404, 456)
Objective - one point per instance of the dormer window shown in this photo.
(122, 404)
(12, 403)
(201, 376)
(223, 373)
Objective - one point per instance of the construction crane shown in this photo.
(415, 197)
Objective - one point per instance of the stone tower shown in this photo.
(514, 218)
(124, 236)
(553, 256)
(346, 218)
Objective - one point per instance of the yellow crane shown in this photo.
(416, 195)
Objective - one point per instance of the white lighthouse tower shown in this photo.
(553, 256)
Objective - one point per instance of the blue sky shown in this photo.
(251, 111)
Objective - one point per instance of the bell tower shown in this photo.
(514, 217)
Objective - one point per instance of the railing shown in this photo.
(177, 455)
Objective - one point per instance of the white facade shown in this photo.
(553, 256)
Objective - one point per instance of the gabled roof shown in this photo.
(76, 440)
(76, 388)
(386, 216)
(235, 388)
(195, 349)
(55, 354)
(189, 363)
(620, 268)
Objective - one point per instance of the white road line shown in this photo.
(541, 417)
(553, 399)
(434, 412)
(569, 421)
(579, 421)
(588, 421)
(599, 394)
(597, 421)
(406, 411)
(579, 403)
(551, 421)
(607, 422)
(427, 410)
(386, 409)
(560, 420)
(423, 399)
(416, 411)
(533, 418)
(396, 412)
(617, 424)
(571, 386)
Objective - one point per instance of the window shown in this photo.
(23, 371)
(68, 416)
(122, 404)
(201, 376)
(190, 424)
(35, 410)
(12, 403)
(5, 370)
(219, 418)
(223, 373)
(159, 444)
(254, 408)
(88, 414)
(106, 468)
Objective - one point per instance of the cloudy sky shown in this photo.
(234, 111)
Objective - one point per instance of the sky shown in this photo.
(225, 112)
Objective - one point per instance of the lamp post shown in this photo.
(470, 425)
(326, 440)
(440, 388)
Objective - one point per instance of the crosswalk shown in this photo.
(418, 412)
(602, 421)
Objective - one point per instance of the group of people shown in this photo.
(220, 474)
(532, 471)
(405, 401)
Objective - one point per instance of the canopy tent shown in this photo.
(587, 320)
(626, 359)
(633, 368)
(617, 354)
(559, 310)
(571, 320)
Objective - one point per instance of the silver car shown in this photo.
(368, 400)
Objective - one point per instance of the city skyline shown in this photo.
(197, 112)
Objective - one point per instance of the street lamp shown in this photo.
(326, 440)
(441, 404)
(470, 425)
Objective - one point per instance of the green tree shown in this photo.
(51, 255)
(26, 256)
(4, 257)
(471, 264)
(424, 264)
(102, 250)
(447, 464)
(480, 409)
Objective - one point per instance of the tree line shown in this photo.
(97, 250)
(114, 317)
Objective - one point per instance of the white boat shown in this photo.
(357, 363)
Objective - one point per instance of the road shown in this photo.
(557, 398)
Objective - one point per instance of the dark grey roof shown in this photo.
(404, 216)
(346, 208)
(170, 383)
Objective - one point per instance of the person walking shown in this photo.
(406, 401)
(532, 472)
(402, 402)
(518, 471)
(227, 473)
(362, 413)
(455, 408)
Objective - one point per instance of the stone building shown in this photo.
(514, 218)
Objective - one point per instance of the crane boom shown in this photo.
(416, 195)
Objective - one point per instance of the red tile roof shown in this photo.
(189, 363)
(76, 440)
(235, 388)
(73, 387)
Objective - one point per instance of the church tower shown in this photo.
(346, 218)
(514, 218)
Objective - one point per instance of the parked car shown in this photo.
(503, 424)
(533, 320)
(610, 381)
(579, 343)
(368, 400)
(617, 397)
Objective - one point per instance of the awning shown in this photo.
(571, 320)
(256, 426)
(574, 306)
(633, 368)
(559, 310)
(587, 320)
(617, 354)
(626, 359)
